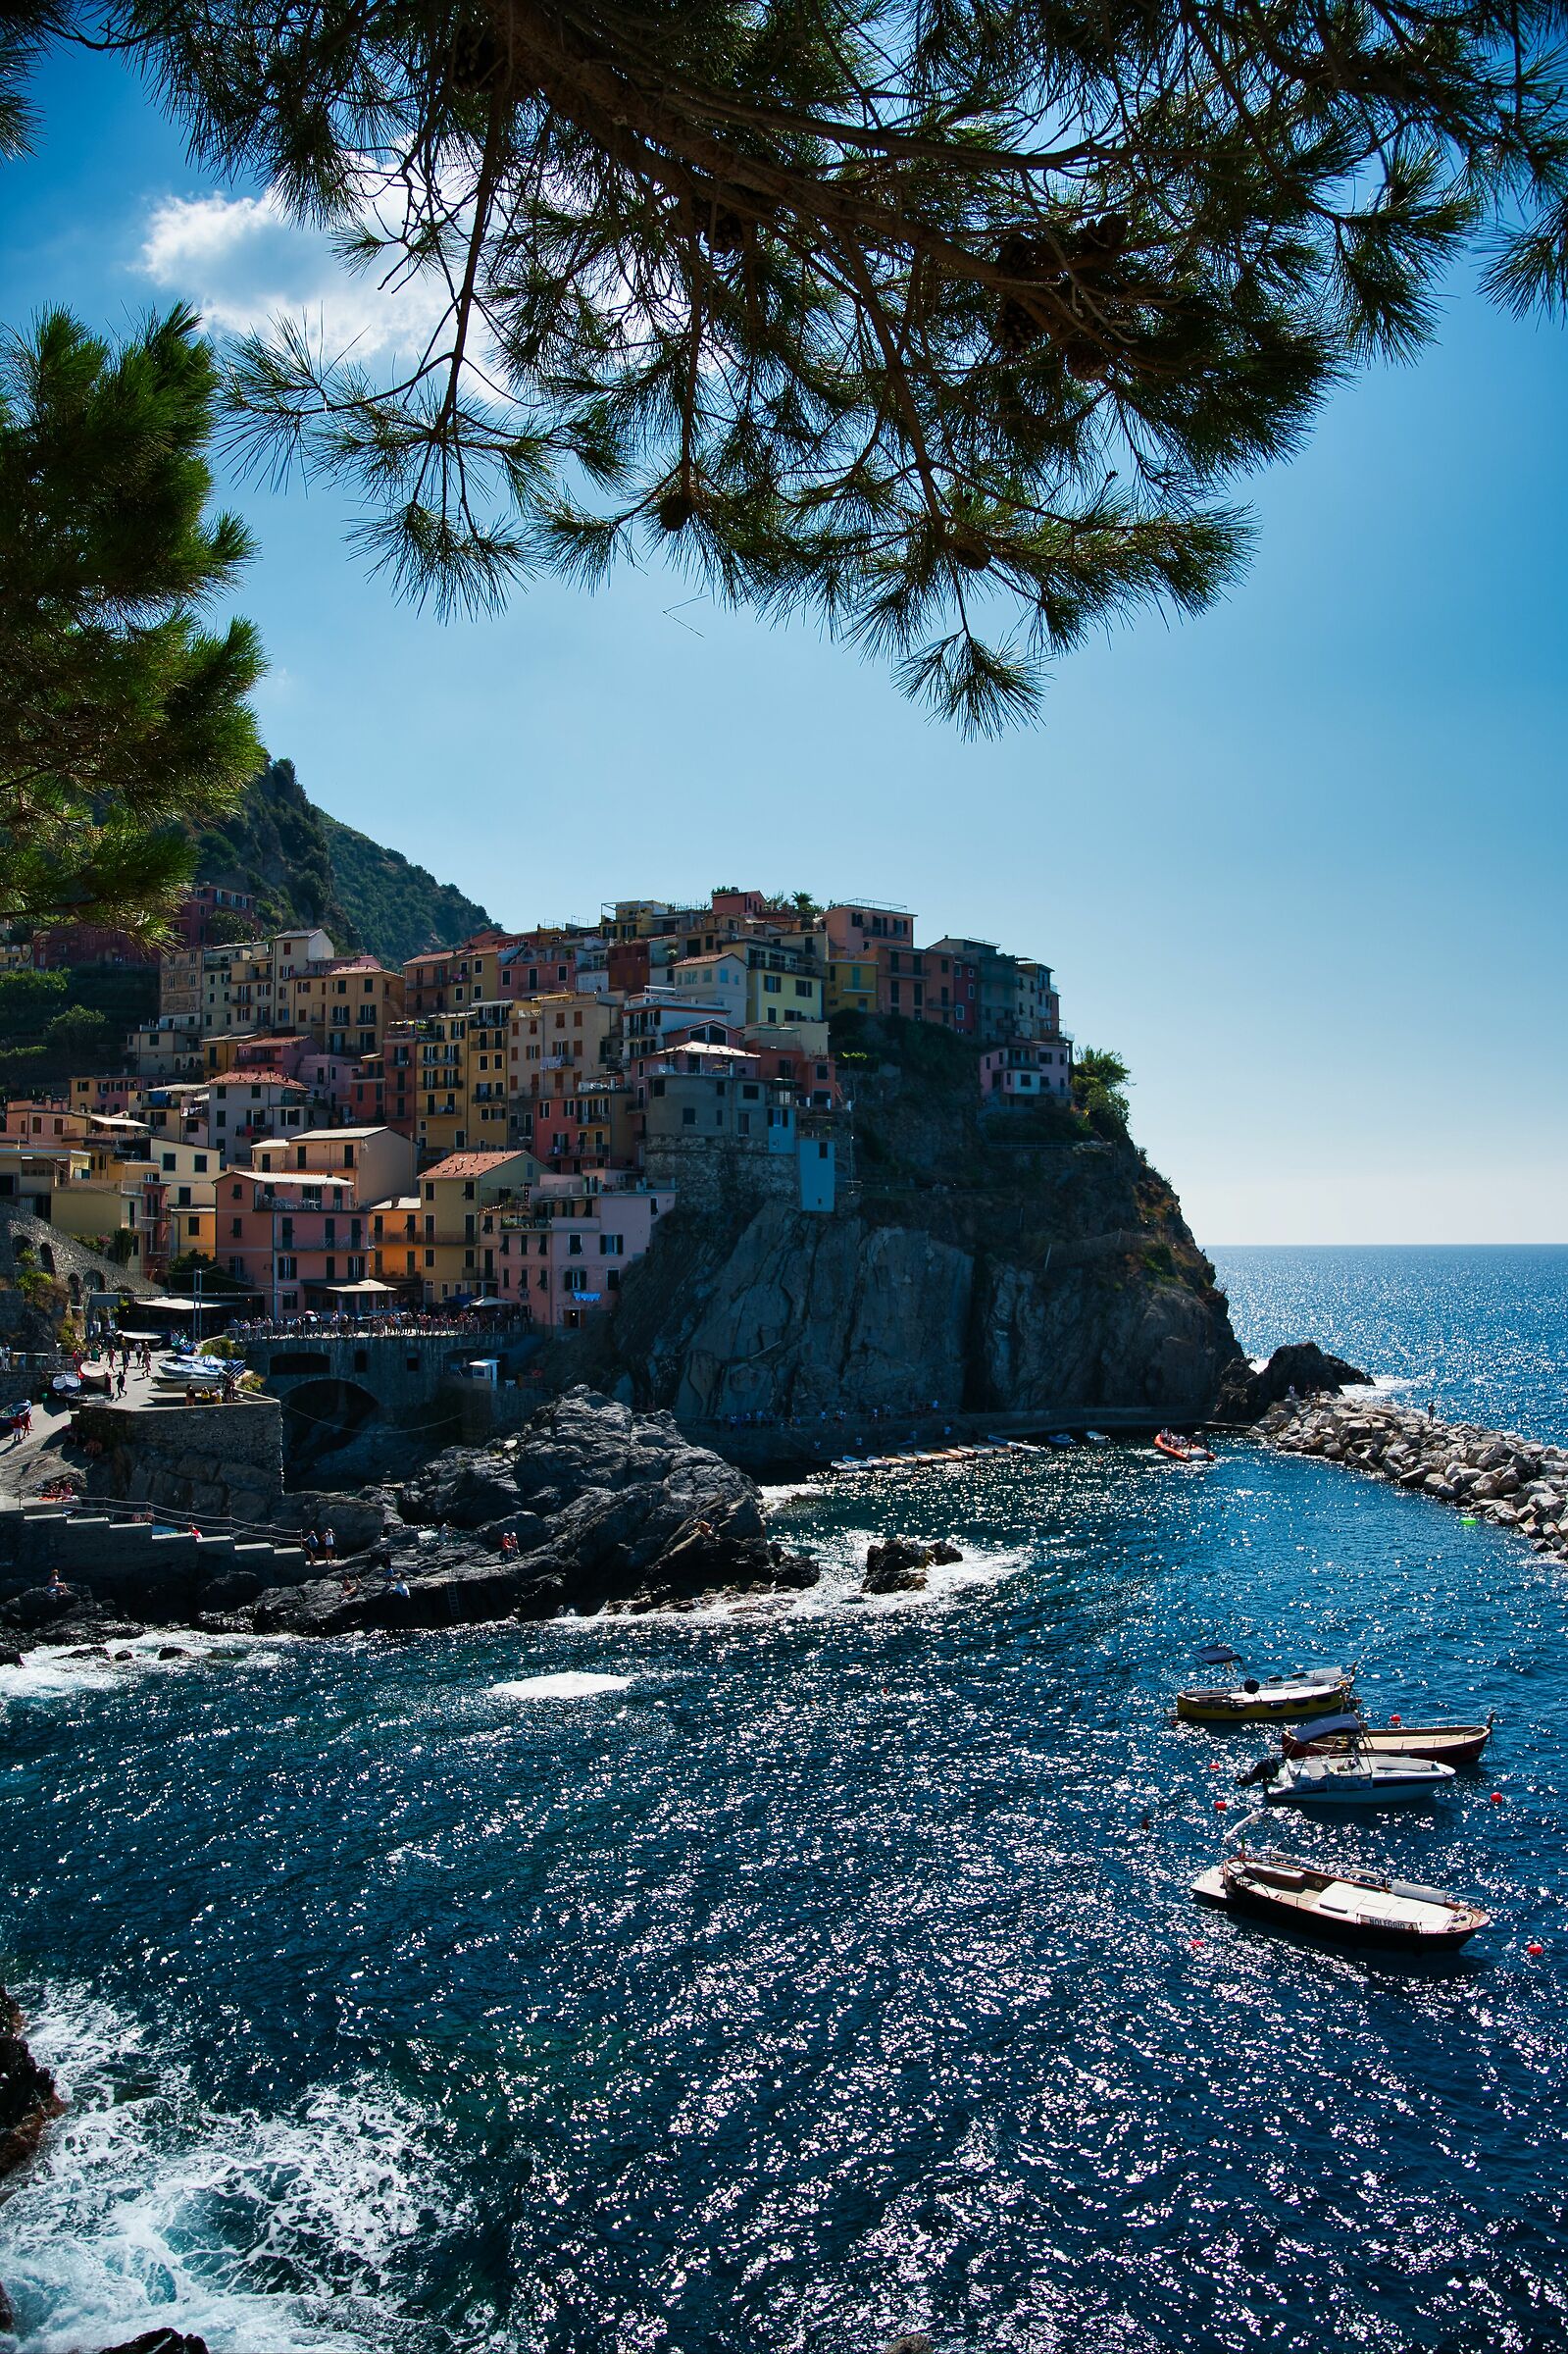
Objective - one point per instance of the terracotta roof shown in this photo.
(472, 1164)
(250, 1078)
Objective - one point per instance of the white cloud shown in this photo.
(243, 263)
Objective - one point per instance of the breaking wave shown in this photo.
(294, 2234)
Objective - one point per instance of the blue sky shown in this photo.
(1302, 861)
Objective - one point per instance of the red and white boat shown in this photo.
(1182, 1451)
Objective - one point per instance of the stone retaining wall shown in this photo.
(189, 1460)
(715, 1175)
(135, 1568)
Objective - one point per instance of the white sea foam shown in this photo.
(47, 1674)
(571, 1683)
(262, 2234)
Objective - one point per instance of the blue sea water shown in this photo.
(1477, 1335)
(833, 1972)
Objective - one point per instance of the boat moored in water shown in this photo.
(1280, 1699)
(1335, 1736)
(1350, 1908)
(1355, 1780)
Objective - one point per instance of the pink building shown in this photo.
(861, 929)
(333, 1080)
(284, 1054)
(1027, 1070)
(376, 1161)
(560, 1259)
(290, 1237)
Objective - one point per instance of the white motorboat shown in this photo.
(1358, 1779)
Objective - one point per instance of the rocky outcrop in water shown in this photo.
(1300, 1368)
(1515, 1483)
(28, 2094)
(896, 1566)
(590, 1506)
(160, 2341)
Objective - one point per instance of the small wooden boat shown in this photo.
(1352, 1908)
(1324, 1691)
(1355, 1780)
(1444, 1744)
(1182, 1451)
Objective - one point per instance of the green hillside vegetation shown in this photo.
(308, 868)
(398, 910)
(275, 846)
(54, 1025)
(304, 868)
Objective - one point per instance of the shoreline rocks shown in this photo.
(1299, 1368)
(590, 1506)
(28, 2094)
(1518, 1484)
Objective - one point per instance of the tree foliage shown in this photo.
(80, 1030)
(25, 990)
(951, 323)
(120, 716)
(1099, 1084)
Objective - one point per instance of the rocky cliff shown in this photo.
(980, 1261)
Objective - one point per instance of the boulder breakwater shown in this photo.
(1516, 1483)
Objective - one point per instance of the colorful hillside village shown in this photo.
(508, 1119)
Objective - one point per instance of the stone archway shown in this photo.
(319, 1417)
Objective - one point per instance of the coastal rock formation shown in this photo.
(895, 1568)
(898, 1567)
(978, 1262)
(1300, 1367)
(160, 2341)
(28, 2094)
(589, 1507)
(1515, 1483)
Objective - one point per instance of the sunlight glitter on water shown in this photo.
(841, 1978)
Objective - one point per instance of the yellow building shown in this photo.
(460, 1090)
(180, 984)
(294, 956)
(347, 1006)
(783, 988)
(395, 1239)
(852, 984)
(555, 1040)
(451, 980)
(453, 1194)
(94, 1206)
(484, 1049)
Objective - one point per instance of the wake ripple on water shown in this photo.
(294, 2234)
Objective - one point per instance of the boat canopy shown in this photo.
(1217, 1655)
(1345, 1722)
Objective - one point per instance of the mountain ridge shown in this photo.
(306, 866)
